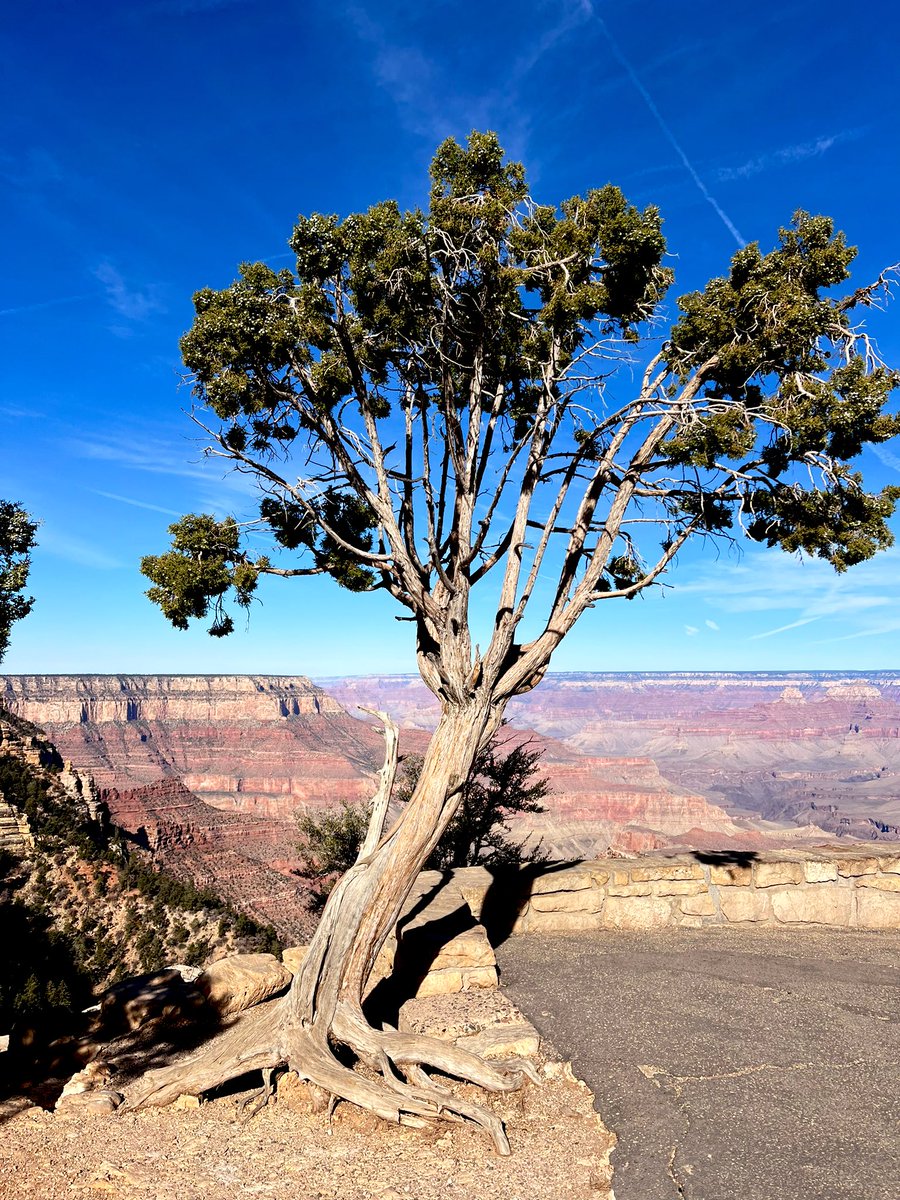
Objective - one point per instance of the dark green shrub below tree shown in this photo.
(503, 783)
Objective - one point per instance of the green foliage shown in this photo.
(60, 938)
(172, 894)
(331, 840)
(40, 969)
(419, 376)
(841, 523)
(17, 540)
(277, 355)
(502, 783)
(205, 562)
(197, 953)
(771, 334)
(54, 821)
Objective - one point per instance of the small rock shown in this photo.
(102, 1102)
(188, 974)
(293, 956)
(185, 1101)
(134, 1002)
(94, 1076)
(235, 983)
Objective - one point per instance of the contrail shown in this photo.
(38, 305)
(670, 137)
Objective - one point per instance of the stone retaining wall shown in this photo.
(444, 942)
(853, 888)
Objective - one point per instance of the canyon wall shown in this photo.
(808, 750)
(261, 747)
(208, 771)
(255, 744)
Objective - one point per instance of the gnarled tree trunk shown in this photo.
(323, 1008)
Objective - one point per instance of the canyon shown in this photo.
(778, 750)
(208, 771)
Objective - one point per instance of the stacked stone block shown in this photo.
(856, 888)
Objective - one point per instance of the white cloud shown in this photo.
(171, 512)
(887, 457)
(690, 630)
(855, 603)
(711, 625)
(435, 102)
(784, 628)
(128, 302)
(798, 152)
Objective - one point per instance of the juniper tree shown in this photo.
(17, 540)
(484, 396)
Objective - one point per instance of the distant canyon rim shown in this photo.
(208, 771)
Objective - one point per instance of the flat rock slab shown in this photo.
(752, 1063)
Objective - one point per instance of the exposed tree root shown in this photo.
(402, 1091)
(257, 1101)
(252, 1043)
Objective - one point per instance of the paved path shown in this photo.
(732, 1064)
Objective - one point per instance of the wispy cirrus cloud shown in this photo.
(211, 486)
(887, 457)
(134, 304)
(76, 549)
(32, 170)
(784, 628)
(858, 603)
(155, 455)
(52, 302)
(426, 86)
(787, 155)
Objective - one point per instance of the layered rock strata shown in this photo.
(774, 750)
(250, 861)
(262, 747)
(256, 744)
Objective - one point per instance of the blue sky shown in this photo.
(150, 147)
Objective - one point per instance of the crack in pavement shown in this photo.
(657, 1074)
(674, 1085)
(679, 1186)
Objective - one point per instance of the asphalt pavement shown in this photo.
(750, 1064)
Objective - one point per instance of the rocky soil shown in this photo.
(559, 1152)
(560, 1147)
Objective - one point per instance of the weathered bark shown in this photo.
(323, 1008)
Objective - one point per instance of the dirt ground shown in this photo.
(560, 1151)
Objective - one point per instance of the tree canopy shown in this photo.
(429, 399)
(17, 540)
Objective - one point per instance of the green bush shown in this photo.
(501, 783)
